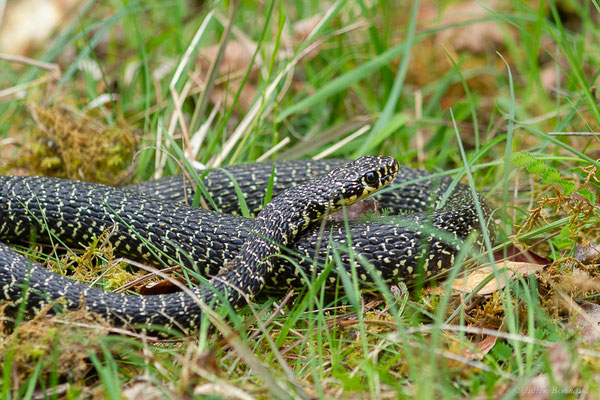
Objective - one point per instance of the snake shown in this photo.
(274, 227)
(150, 222)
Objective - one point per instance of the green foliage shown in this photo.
(548, 174)
(502, 351)
(588, 195)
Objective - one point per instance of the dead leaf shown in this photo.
(236, 58)
(227, 94)
(589, 323)
(302, 29)
(222, 389)
(165, 286)
(587, 253)
(143, 390)
(549, 76)
(473, 278)
(476, 350)
(428, 11)
(197, 364)
(476, 37)
(483, 346)
(305, 26)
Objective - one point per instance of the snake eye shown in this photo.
(371, 178)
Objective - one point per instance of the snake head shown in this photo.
(297, 207)
(360, 178)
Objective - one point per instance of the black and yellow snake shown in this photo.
(147, 222)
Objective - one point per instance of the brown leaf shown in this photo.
(227, 95)
(222, 390)
(549, 76)
(428, 10)
(589, 323)
(472, 279)
(305, 26)
(236, 58)
(477, 350)
(143, 390)
(165, 286)
(588, 253)
(595, 154)
(483, 346)
(476, 37)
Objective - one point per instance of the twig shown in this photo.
(574, 133)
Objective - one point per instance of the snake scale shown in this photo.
(148, 222)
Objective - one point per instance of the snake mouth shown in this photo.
(388, 178)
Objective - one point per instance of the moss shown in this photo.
(59, 344)
(98, 260)
(67, 144)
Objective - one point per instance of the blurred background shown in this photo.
(86, 85)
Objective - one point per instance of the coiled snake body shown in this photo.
(148, 228)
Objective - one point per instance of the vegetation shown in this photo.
(499, 95)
